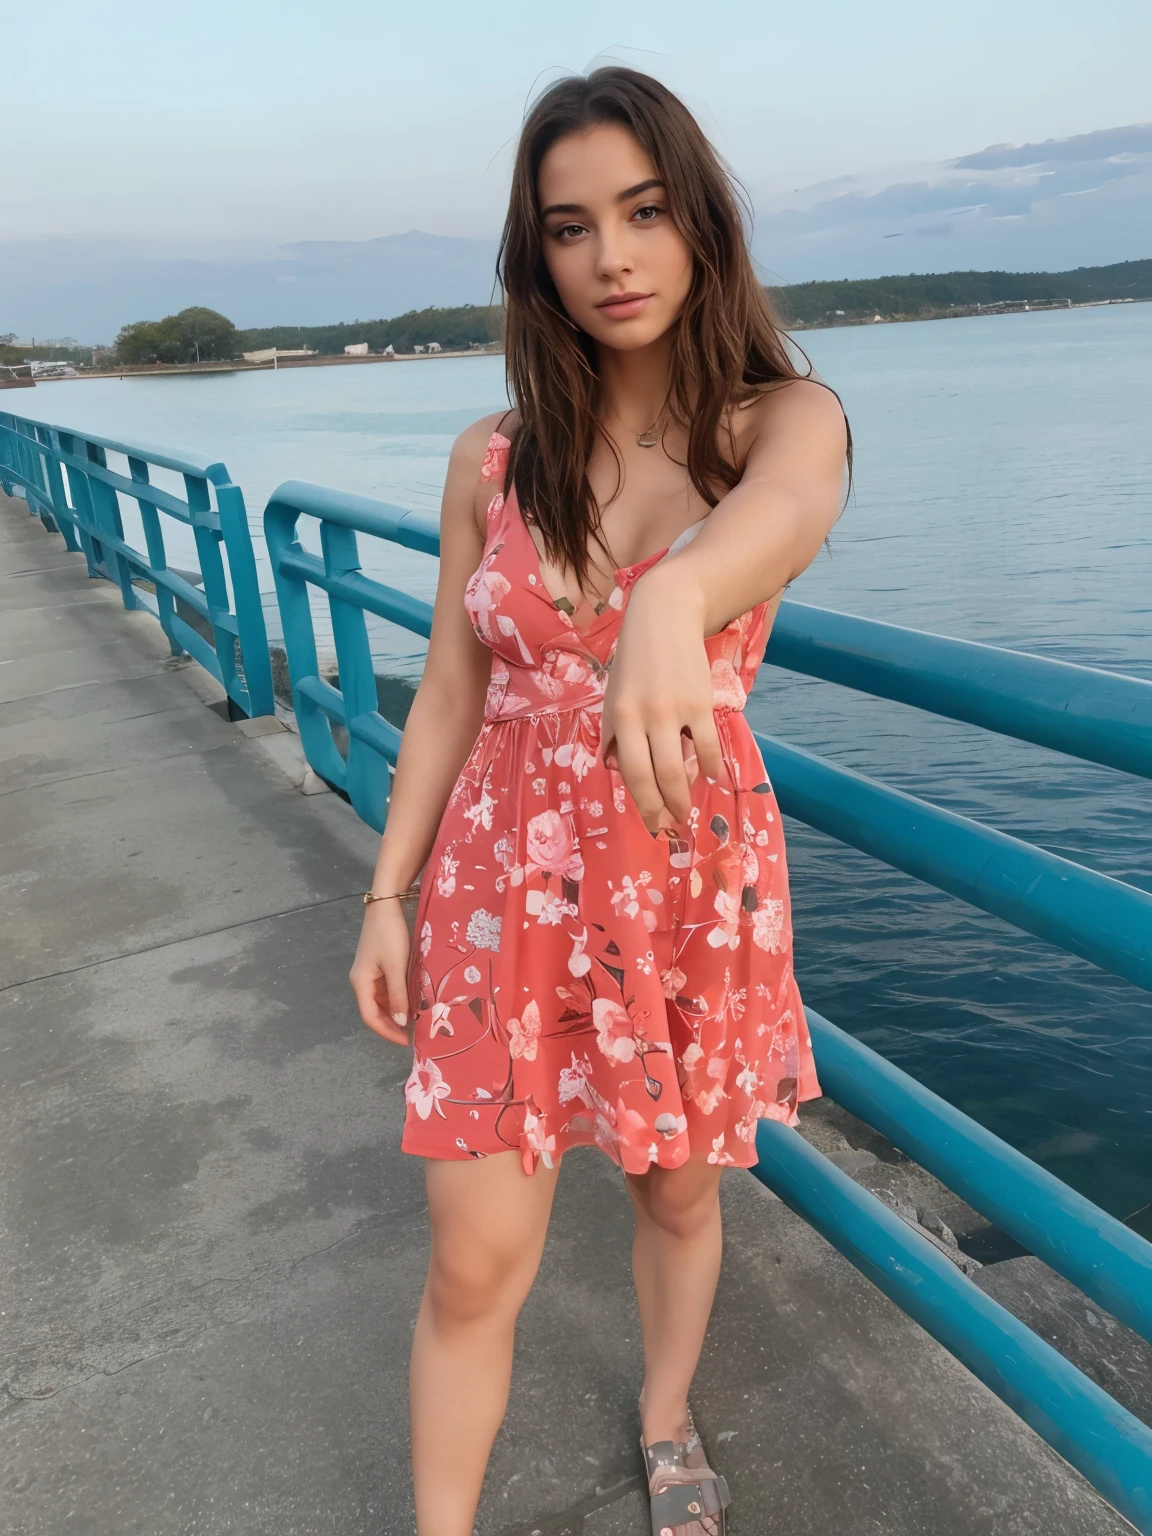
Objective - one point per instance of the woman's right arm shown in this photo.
(443, 724)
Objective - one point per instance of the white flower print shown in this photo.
(524, 1032)
(480, 812)
(484, 930)
(671, 1125)
(613, 1029)
(573, 1083)
(768, 924)
(446, 878)
(748, 1080)
(440, 1023)
(548, 907)
(578, 962)
(535, 1139)
(673, 980)
(425, 1088)
(471, 975)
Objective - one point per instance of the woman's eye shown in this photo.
(569, 231)
(647, 213)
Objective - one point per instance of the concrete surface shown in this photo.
(213, 1249)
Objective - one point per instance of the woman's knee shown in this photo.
(682, 1202)
(468, 1282)
(488, 1226)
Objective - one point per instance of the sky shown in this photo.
(257, 119)
(220, 130)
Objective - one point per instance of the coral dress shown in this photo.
(575, 980)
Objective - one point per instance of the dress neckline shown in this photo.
(623, 575)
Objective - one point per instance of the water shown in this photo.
(1003, 491)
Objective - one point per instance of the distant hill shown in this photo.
(937, 295)
(800, 305)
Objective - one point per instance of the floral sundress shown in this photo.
(574, 980)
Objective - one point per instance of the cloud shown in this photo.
(1017, 207)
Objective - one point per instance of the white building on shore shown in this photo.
(274, 354)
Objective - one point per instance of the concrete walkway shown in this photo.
(212, 1249)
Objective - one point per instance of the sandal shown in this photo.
(687, 1497)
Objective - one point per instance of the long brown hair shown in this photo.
(727, 342)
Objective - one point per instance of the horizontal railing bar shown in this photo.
(1105, 1442)
(1101, 919)
(30, 487)
(361, 513)
(141, 490)
(374, 731)
(197, 647)
(1106, 1259)
(325, 697)
(164, 458)
(363, 591)
(1103, 717)
(177, 585)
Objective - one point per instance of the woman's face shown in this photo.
(621, 267)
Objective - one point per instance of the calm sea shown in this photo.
(1004, 494)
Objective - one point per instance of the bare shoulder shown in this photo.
(802, 408)
(467, 487)
(470, 448)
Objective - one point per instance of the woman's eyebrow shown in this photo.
(621, 197)
(641, 186)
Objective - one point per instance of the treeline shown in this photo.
(194, 335)
(455, 329)
(202, 335)
(77, 356)
(920, 297)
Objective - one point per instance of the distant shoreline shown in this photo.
(334, 360)
(961, 312)
(150, 370)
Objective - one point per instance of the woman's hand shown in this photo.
(658, 726)
(380, 970)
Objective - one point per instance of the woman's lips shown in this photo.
(625, 305)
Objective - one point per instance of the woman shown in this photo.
(603, 931)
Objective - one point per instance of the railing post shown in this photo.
(61, 511)
(107, 509)
(157, 554)
(369, 779)
(253, 634)
(81, 495)
(280, 532)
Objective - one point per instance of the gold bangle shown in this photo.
(369, 896)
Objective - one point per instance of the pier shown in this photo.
(213, 1246)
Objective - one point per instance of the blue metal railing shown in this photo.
(66, 480)
(1103, 717)
(373, 743)
(1099, 716)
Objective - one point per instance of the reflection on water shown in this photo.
(1003, 489)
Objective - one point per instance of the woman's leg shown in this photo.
(489, 1221)
(675, 1265)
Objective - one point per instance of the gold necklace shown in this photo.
(655, 432)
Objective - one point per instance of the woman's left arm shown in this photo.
(758, 537)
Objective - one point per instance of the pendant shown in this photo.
(650, 438)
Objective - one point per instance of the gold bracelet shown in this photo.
(369, 897)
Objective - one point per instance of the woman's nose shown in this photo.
(614, 258)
